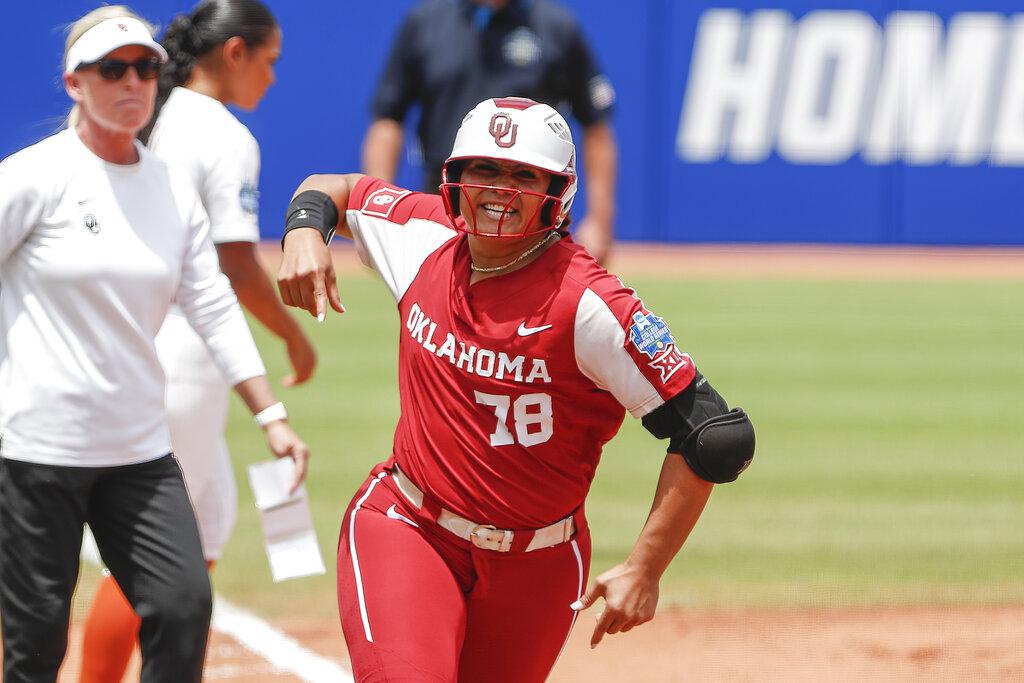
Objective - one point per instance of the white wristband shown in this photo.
(271, 414)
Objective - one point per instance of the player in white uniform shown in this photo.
(196, 130)
(97, 237)
(222, 53)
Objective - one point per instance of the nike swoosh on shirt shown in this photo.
(525, 331)
(392, 514)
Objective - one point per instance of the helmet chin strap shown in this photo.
(497, 269)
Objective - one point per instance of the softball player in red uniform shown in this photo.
(465, 555)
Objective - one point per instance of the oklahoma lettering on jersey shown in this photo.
(487, 362)
(510, 387)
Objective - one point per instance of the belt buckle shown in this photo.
(482, 537)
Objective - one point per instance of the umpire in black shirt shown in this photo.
(451, 54)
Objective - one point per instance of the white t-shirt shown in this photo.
(91, 256)
(221, 156)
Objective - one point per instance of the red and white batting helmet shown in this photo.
(519, 130)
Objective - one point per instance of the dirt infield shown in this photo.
(920, 644)
(819, 262)
(908, 644)
(776, 261)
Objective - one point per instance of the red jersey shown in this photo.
(509, 388)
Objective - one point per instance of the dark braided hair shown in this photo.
(191, 36)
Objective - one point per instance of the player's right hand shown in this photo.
(284, 443)
(306, 277)
(302, 357)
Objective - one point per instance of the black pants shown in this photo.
(146, 532)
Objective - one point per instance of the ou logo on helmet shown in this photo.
(501, 126)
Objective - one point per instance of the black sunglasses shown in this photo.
(115, 69)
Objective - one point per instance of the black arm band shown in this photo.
(312, 209)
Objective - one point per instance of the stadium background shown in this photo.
(878, 533)
(314, 118)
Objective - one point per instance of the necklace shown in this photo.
(517, 259)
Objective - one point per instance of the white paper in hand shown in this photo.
(287, 524)
(271, 480)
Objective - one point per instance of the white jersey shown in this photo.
(221, 156)
(91, 256)
(223, 160)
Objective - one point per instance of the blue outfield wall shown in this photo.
(866, 121)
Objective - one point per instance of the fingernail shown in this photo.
(320, 317)
(576, 606)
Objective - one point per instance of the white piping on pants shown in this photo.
(579, 594)
(355, 558)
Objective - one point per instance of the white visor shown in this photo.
(107, 36)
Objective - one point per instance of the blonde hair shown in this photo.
(94, 18)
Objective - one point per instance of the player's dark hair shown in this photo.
(191, 36)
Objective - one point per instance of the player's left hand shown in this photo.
(284, 442)
(596, 237)
(630, 599)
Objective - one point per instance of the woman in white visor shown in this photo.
(221, 53)
(97, 237)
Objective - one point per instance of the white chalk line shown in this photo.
(284, 653)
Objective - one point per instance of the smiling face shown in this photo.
(252, 69)
(510, 202)
(123, 106)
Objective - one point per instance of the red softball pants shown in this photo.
(418, 603)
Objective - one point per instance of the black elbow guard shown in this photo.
(721, 447)
(717, 443)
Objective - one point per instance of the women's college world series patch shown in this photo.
(249, 199)
(651, 337)
(649, 334)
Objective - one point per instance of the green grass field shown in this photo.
(890, 460)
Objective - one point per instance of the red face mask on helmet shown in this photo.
(522, 131)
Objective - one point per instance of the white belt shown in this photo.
(486, 536)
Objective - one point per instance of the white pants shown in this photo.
(197, 409)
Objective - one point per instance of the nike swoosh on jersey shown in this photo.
(392, 514)
(525, 331)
